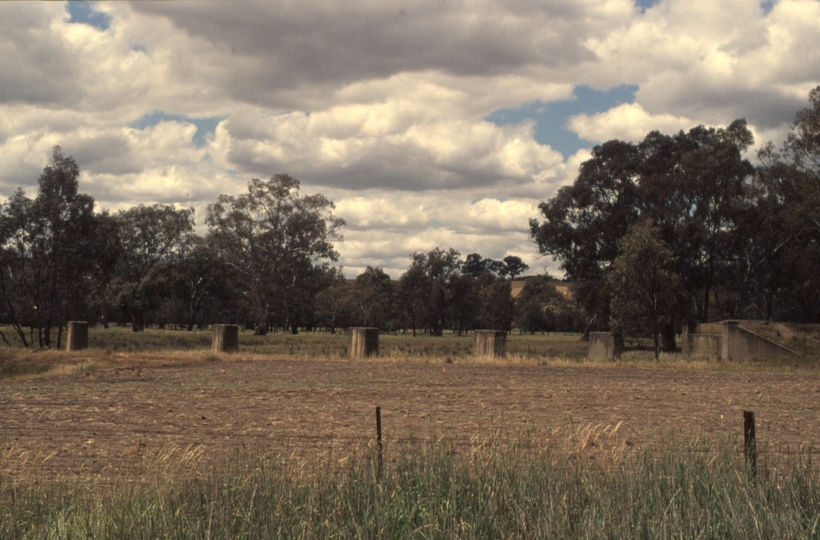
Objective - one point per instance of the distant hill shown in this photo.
(561, 286)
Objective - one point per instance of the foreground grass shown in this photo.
(431, 492)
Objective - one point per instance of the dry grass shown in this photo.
(24, 364)
(579, 482)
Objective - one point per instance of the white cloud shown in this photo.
(382, 106)
(713, 62)
(629, 122)
(393, 143)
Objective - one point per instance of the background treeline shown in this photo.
(682, 228)
(654, 235)
(265, 263)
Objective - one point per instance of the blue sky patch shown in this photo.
(204, 126)
(644, 4)
(84, 12)
(551, 118)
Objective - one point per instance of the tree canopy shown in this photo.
(731, 232)
(270, 237)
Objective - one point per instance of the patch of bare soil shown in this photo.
(107, 421)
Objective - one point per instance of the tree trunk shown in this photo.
(590, 327)
(657, 344)
(668, 343)
(261, 329)
(137, 325)
(618, 344)
(3, 336)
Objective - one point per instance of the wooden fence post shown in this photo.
(379, 441)
(226, 338)
(490, 343)
(364, 342)
(749, 442)
(77, 338)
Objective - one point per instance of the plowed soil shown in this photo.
(107, 421)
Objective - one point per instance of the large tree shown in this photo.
(50, 251)
(787, 221)
(267, 235)
(692, 185)
(426, 289)
(643, 284)
(203, 276)
(372, 298)
(540, 307)
(154, 240)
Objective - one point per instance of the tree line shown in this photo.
(651, 235)
(682, 228)
(266, 262)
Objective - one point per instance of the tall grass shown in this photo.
(429, 491)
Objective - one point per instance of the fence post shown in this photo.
(749, 443)
(379, 441)
(226, 338)
(77, 338)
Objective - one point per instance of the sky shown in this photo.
(433, 123)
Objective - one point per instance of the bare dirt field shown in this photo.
(106, 421)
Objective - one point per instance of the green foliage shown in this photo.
(428, 286)
(514, 266)
(745, 240)
(511, 266)
(692, 185)
(372, 297)
(49, 251)
(270, 237)
(155, 239)
(643, 284)
(541, 308)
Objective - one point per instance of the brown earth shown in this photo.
(108, 420)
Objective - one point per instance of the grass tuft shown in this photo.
(429, 490)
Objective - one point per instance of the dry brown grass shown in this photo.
(24, 364)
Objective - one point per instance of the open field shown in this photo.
(102, 412)
(324, 344)
(130, 439)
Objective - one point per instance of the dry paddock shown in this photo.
(109, 420)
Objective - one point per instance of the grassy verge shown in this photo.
(119, 347)
(428, 491)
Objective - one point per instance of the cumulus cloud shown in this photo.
(713, 62)
(381, 106)
(395, 143)
(629, 122)
(320, 46)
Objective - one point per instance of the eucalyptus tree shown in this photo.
(154, 240)
(426, 288)
(495, 303)
(50, 251)
(203, 276)
(539, 306)
(268, 235)
(643, 284)
(692, 185)
(373, 298)
(334, 302)
(513, 266)
(788, 195)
